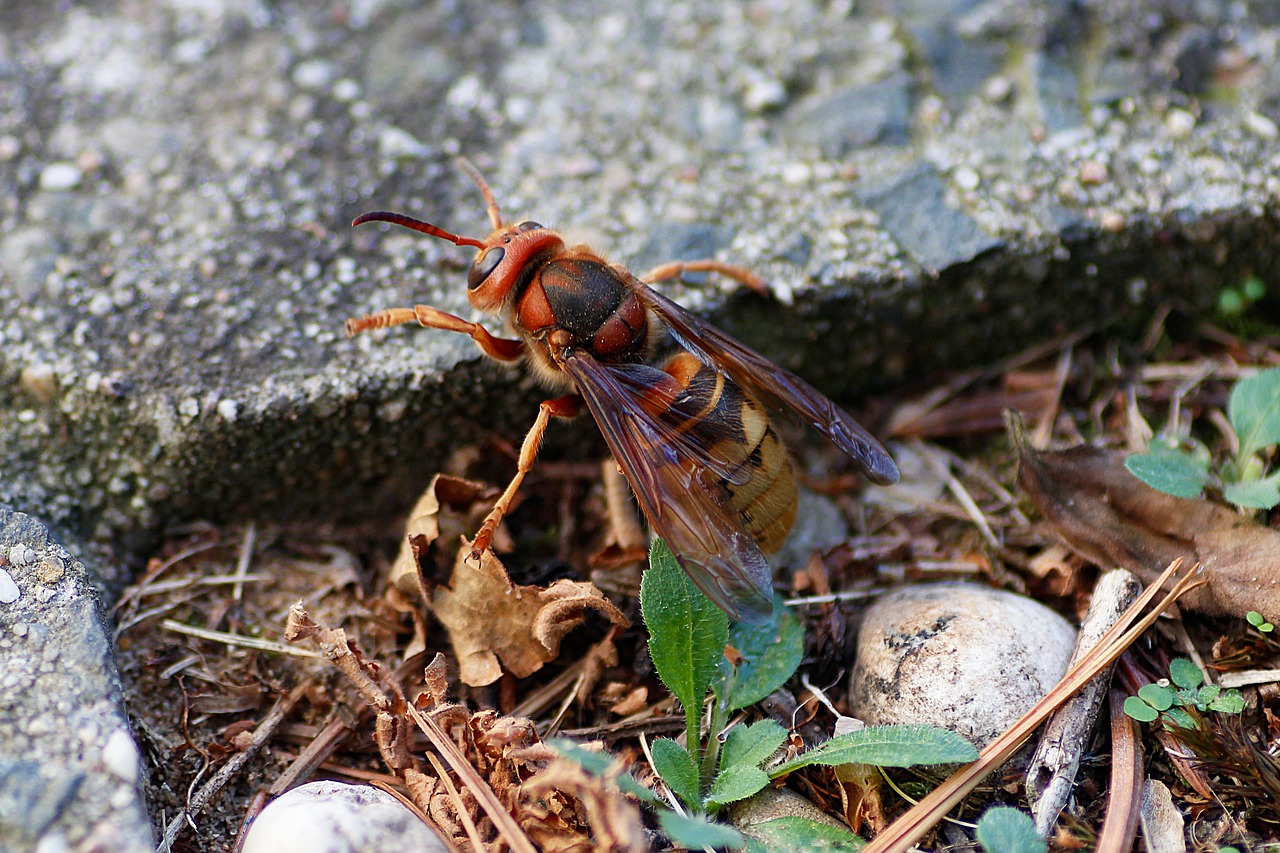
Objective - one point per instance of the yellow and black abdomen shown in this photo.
(733, 427)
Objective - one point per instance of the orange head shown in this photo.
(503, 255)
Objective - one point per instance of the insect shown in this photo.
(691, 435)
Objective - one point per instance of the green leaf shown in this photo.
(678, 769)
(1254, 494)
(751, 745)
(1157, 696)
(1139, 710)
(687, 633)
(1259, 621)
(1185, 674)
(1170, 469)
(735, 783)
(1254, 411)
(598, 764)
(771, 653)
(696, 833)
(886, 746)
(1178, 718)
(1229, 702)
(794, 834)
(1007, 830)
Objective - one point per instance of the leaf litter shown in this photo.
(427, 712)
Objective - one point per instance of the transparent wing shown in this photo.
(773, 384)
(683, 498)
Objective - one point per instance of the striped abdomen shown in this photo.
(720, 416)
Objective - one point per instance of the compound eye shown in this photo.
(528, 225)
(484, 265)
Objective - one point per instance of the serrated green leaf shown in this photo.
(735, 783)
(1254, 411)
(1170, 470)
(771, 653)
(751, 745)
(886, 746)
(696, 833)
(675, 766)
(1228, 702)
(598, 764)
(793, 834)
(1185, 674)
(1254, 494)
(1139, 710)
(687, 633)
(1206, 696)
(1007, 830)
(1157, 696)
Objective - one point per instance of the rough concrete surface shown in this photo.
(926, 183)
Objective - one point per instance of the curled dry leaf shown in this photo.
(1112, 518)
(494, 624)
(449, 509)
(612, 822)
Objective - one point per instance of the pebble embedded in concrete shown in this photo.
(334, 817)
(959, 656)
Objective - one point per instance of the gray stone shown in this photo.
(959, 656)
(913, 208)
(876, 113)
(68, 764)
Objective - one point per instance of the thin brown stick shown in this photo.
(465, 816)
(1124, 799)
(488, 800)
(261, 735)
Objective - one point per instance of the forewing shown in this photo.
(773, 384)
(684, 501)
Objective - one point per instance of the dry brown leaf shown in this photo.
(614, 821)
(494, 624)
(450, 507)
(1112, 518)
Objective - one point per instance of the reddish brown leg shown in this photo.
(675, 269)
(567, 406)
(503, 349)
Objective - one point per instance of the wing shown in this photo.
(773, 384)
(684, 501)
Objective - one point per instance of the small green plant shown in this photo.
(688, 636)
(1183, 468)
(1235, 301)
(1185, 692)
(1003, 829)
(1258, 621)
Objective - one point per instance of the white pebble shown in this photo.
(1261, 125)
(9, 591)
(58, 177)
(228, 410)
(967, 178)
(959, 656)
(120, 756)
(333, 817)
(313, 74)
(189, 407)
(1179, 123)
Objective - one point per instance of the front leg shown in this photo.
(502, 349)
(567, 406)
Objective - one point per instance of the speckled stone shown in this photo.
(334, 817)
(963, 657)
